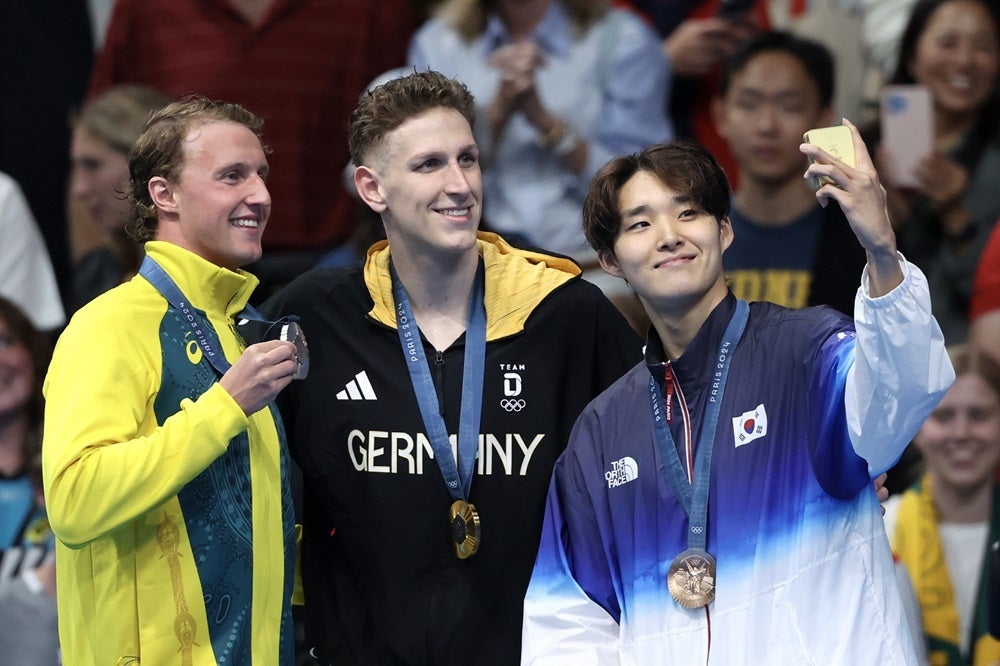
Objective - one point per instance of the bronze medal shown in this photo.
(465, 531)
(691, 578)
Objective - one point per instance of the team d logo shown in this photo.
(512, 400)
(750, 425)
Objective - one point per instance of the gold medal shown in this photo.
(465, 532)
(691, 578)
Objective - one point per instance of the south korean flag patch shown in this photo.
(750, 426)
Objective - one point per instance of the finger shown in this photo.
(284, 370)
(820, 157)
(823, 196)
(861, 155)
(880, 490)
(828, 174)
(278, 352)
(274, 377)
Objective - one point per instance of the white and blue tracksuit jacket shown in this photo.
(812, 411)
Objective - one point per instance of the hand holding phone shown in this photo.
(907, 122)
(838, 142)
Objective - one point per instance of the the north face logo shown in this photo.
(622, 471)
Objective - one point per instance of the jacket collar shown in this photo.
(516, 282)
(693, 368)
(215, 290)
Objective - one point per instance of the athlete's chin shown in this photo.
(462, 242)
(248, 256)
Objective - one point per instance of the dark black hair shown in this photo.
(816, 60)
(683, 166)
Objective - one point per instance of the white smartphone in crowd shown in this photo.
(907, 120)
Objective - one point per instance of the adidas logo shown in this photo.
(358, 388)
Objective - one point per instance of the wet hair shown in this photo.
(816, 60)
(159, 151)
(23, 332)
(683, 166)
(391, 104)
(118, 115)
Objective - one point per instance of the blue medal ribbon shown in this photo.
(457, 474)
(203, 334)
(693, 496)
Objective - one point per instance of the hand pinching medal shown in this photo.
(691, 577)
(464, 528)
(463, 520)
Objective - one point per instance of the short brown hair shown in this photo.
(383, 109)
(159, 151)
(683, 166)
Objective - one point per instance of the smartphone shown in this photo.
(907, 120)
(837, 141)
(729, 9)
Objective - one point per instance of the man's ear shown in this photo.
(609, 262)
(161, 193)
(366, 181)
(726, 234)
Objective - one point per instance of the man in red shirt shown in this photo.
(300, 64)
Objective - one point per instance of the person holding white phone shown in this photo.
(951, 47)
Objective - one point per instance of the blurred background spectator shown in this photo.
(300, 64)
(952, 48)
(941, 527)
(103, 134)
(699, 36)
(786, 249)
(563, 86)
(27, 572)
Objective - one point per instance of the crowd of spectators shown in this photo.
(562, 86)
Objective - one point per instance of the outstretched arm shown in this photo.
(863, 200)
(901, 368)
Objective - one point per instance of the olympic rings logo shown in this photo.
(512, 405)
